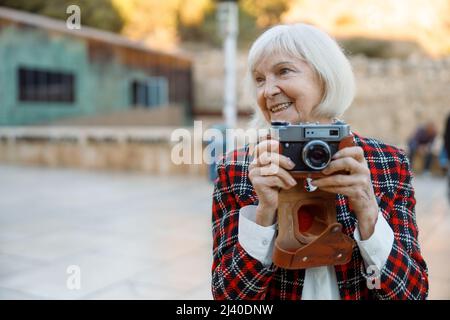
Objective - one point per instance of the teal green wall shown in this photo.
(99, 86)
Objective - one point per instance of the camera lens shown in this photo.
(316, 154)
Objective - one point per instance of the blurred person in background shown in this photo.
(300, 74)
(446, 150)
(421, 143)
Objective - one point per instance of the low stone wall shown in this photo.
(136, 149)
(157, 116)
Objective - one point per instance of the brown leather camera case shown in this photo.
(308, 232)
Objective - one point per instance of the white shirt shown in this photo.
(320, 282)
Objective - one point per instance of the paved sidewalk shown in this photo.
(139, 237)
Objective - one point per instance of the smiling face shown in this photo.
(287, 89)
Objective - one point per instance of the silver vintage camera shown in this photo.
(310, 145)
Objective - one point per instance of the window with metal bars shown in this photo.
(150, 92)
(37, 85)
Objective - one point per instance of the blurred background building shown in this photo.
(146, 63)
(107, 97)
(50, 72)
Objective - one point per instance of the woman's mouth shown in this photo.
(280, 107)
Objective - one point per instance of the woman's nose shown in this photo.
(271, 88)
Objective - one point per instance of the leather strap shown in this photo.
(332, 247)
(308, 232)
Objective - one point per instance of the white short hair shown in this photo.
(321, 52)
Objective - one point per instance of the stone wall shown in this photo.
(393, 96)
(173, 115)
(135, 149)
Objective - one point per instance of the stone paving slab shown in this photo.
(136, 236)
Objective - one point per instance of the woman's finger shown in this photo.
(338, 180)
(266, 158)
(273, 171)
(277, 181)
(354, 152)
(266, 146)
(346, 191)
(347, 164)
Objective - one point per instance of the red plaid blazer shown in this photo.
(236, 275)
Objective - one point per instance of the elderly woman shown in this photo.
(301, 75)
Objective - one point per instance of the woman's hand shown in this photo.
(356, 185)
(268, 174)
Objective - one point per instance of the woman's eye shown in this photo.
(284, 70)
(259, 80)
